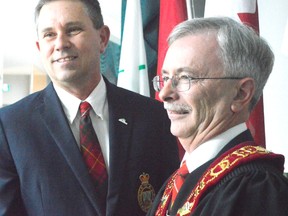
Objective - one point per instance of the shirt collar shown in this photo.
(70, 103)
(211, 148)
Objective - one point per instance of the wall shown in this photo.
(19, 88)
(272, 19)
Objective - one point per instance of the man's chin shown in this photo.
(175, 130)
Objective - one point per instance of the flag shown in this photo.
(133, 72)
(246, 12)
(171, 13)
(284, 48)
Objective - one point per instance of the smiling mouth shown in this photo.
(66, 59)
(179, 112)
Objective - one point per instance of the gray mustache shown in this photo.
(177, 107)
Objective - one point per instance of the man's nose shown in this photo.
(62, 42)
(168, 92)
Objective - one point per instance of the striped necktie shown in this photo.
(181, 174)
(91, 151)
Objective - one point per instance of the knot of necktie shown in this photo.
(183, 170)
(84, 108)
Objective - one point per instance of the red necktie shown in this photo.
(91, 150)
(179, 180)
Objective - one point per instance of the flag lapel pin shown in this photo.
(123, 120)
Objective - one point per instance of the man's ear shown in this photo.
(104, 36)
(245, 93)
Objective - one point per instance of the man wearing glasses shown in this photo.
(212, 77)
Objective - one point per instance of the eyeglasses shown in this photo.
(182, 83)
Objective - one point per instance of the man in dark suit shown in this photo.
(213, 74)
(42, 171)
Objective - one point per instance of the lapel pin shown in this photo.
(123, 120)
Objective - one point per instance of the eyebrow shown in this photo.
(75, 23)
(67, 25)
(180, 70)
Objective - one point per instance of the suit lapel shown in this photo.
(120, 126)
(55, 120)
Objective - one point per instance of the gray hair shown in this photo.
(92, 8)
(242, 51)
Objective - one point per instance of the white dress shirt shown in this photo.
(211, 148)
(99, 115)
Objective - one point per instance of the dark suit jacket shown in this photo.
(41, 168)
(244, 191)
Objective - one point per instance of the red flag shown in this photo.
(171, 13)
(247, 13)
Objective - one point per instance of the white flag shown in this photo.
(229, 8)
(285, 41)
(133, 72)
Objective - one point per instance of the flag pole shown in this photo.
(190, 9)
